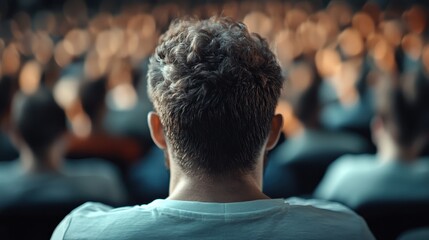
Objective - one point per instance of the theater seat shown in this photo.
(387, 220)
(33, 220)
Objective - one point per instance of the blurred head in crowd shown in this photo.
(214, 87)
(402, 115)
(39, 124)
(302, 93)
(92, 94)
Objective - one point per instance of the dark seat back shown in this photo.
(33, 220)
(387, 220)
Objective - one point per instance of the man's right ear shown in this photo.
(156, 130)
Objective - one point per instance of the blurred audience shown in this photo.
(391, 185)
(41, 174)
(69, 46)
(398, 171)
(296, 166)
(99, 142)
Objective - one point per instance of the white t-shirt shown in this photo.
(170, 219)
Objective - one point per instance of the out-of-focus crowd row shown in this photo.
(44, 46)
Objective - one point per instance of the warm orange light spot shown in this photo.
(29, 78)
(384, 56)
(76, 42)
(61, 55)
(327, 62)
(66, 92)
(351, 42)
(11, 60)
(259, 23)
(287, 47)
(122, 97)
(412, 44)
(300, 78)
(311, 36)
(363, 23)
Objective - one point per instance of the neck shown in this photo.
(389, 150)
(32, 162)
(215, 189)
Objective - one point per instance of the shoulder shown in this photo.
(331, 218)
(342, 172)
(94, 218)
(348, 162)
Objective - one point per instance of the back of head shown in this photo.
(302, 92)
(215, 87)
(402, 105)
(38, 119)
(92, 94)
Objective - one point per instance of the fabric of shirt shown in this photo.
(356, 179)
(416, 234)
(172, 219)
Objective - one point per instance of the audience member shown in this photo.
(41, 174)
(99, 142)
(296, 166)
(215, 87)
(390, 186)
(397, 171)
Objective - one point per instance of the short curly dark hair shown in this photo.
(215, 87)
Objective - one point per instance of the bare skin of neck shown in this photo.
(244, 187)
(390, 150)
(49, 162)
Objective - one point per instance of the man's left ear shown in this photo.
(274, 135)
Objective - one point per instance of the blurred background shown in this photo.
(92, 57)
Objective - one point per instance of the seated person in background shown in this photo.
(214, 87)
(100, 143)
(41, 174)
(7, 150)
(389, 189)
(397, 171)
(297, 165)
